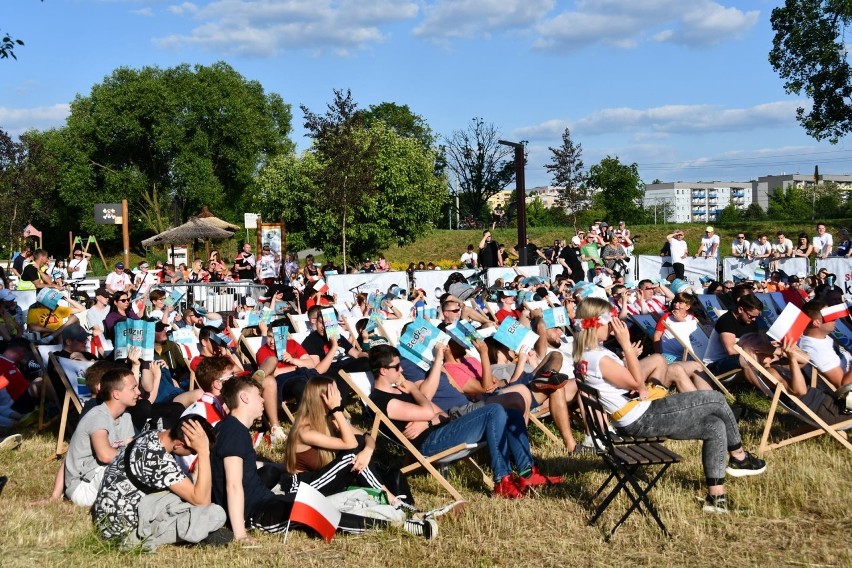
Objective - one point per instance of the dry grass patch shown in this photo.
(795, 514)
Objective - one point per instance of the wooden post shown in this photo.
(92, 239)
(70, 244)
(258, 236)
(125, 233)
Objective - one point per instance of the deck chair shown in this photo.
(536, 416)
(360, 383)
(698, 339)
(712, 306)
(626, 462)
(391, 329)
(71, 373)
(771, 387)
(248, 348)
(41, 356)
(299, 322)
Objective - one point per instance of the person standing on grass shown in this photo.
(624, 393)
(679, 251)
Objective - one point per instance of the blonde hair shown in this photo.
(586, 339)
(313, 414)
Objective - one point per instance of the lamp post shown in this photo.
(520, 190)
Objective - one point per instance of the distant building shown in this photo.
(696, 202)
(765, 186)
(500, 198)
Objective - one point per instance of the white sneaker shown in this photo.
(456, 507)
(277, 435)
(11, 442)
(428, 528)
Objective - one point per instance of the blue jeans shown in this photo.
(698, 415)
(503, 430)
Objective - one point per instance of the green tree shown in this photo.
(754, 212)
(620, 190)
(567, 173)
(730, 214)
(401, 120)
(788, 204)
(537, 214)
(482, 166)
(809, 53)
(169, 141)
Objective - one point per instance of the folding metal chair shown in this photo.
(625, 462)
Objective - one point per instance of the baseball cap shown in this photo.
(709, 229)
(76, 332)
(119, 265)
(7, 296)
(793, 278)
(575, 240)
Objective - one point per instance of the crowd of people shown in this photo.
(165, 451)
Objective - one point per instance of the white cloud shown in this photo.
(470, 18)
(16, 121)
(627, 23)
(145, 12)
(266, 27)
(663, 121)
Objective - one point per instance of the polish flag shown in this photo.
(94, 343)
(314, 510)
(832, 313)
(320, 286)
(790, 324)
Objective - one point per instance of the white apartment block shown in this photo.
(765, 186)
(697, 202)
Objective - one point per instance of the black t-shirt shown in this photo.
(316, 344)
(244, 263)
(729, 324)
(382, 399)
(488, 255)
(30, 273)
(234, 440)
(571, 256)
(18, 263)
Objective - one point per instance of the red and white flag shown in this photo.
(791, 324)
(832, 313)
(94, 343)
(313, 509)
(320, 286)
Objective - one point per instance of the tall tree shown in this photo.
(809, 53)
(619, 190)
(567, 171)
(170, 141)
(402, 120)
(344, 180)
(482, 166)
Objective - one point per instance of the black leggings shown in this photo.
(335, 477)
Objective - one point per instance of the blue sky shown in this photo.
(681, 87)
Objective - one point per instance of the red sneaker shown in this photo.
(537, 479)
(507, 488)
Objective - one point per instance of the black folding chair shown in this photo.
(625, 457)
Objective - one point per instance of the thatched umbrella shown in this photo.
(210, 218)
(192, 230)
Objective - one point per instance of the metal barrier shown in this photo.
(215, 296)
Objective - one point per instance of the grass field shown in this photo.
(796, 514)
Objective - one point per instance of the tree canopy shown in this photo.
(620, 190)
(482, 166)
(568, 174)
(169, 141)
(809, 53)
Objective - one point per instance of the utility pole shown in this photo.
(521, 192)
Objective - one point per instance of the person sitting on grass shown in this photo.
(145, 499)
(634, 411)
(327, 452)
(98, 436)
(428, 427)
(239, 486)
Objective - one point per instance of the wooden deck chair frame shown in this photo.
(41, 355)
(70, 397)
(249, 355)
(798, 409)
(689, 353)
(625, 461)
(536, 416)
(457, 452)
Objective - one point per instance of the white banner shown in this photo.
(840, 267)
(508, 272)
(432, 281)
(745, 269)
(347, 285)
(658, 267)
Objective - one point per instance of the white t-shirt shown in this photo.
(678, 248)
(740, 248)
(785, 247)
(760, 249)
(95, 316)
(266, 266)
(823, 241)
(117, 282)
(469, 259)
(822, 354)
(78, 267)
(707, 244)
(612, 398)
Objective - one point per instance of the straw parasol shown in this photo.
(194, 229)
(210, 218)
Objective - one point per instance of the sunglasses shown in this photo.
(78, 255)
(394, 367)
(455, 311)
(123, 300)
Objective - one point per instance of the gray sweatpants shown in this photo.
(165, 518)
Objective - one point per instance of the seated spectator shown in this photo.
(709, 247)
(98, 436)
(146, 500)
(817, 343)
(212, 344)
(120, 310)
(761, 250)
(720, 356)
(786, 363)
(844, 244)
(159, 310)
(325, 451)
(74, 344)
(98, 311)
(11, 315)
(118, 280)
(774, 284)
(238, 483)
(803, 248)
(51, 322)
(741, 248)
(651, 298)
(171, 354)
(20, 394)
(793, 293)
(823, 242)
(506, 304)
(702, 415)
(367, 340)
(346, 356)
(429, 430)
(34, 275)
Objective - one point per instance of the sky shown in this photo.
(683, 88)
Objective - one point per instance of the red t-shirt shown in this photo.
(18, 383)
(295, 350)
(503, 313)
